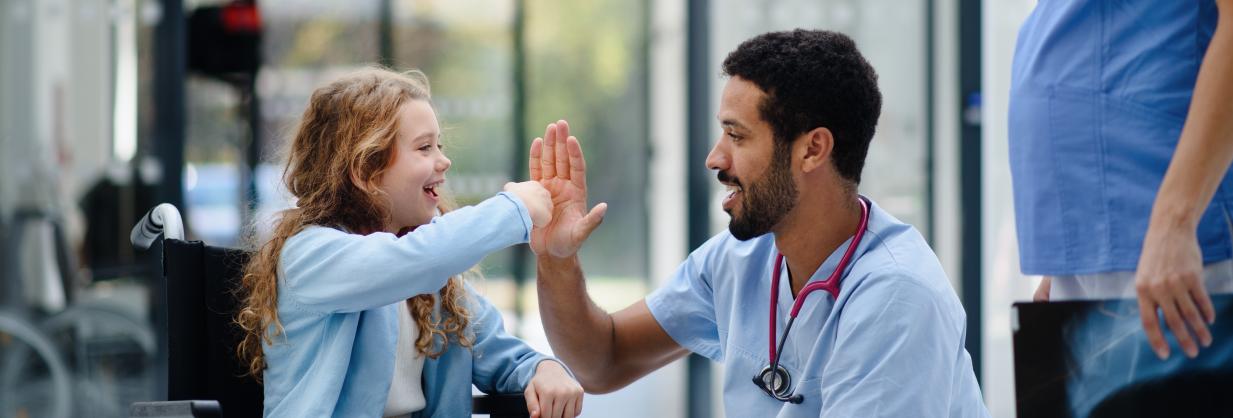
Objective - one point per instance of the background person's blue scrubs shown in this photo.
(890, 346)
(1099, 93)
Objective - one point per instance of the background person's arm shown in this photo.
(1169, 276)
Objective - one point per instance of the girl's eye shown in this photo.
(425, 147)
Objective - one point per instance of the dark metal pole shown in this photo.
(970, 145)
(170, 71)
(169, 75)
(519, 118)
(698, 88)
(253, 153)
(385, 33)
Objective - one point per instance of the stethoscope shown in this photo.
(774, 379)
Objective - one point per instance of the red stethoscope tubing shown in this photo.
(830, 285)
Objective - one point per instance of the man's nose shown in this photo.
(718, 158)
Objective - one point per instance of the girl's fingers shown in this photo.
(558, 407)
(532, 400)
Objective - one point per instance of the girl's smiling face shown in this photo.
(413, 179)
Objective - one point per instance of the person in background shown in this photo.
(1121, 136)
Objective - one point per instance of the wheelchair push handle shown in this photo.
(164, 219)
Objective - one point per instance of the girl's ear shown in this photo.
(360, 183)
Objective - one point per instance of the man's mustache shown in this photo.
(724, 177)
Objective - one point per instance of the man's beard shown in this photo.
(763, 204)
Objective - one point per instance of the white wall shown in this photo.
(667, 204)
(1003, 284)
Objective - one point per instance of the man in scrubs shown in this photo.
(1121, 135)
(798, 112)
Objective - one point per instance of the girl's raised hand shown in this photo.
(552, 393)
(537, 199)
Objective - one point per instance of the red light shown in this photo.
(241, 17)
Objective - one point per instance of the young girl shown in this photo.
(354, 307)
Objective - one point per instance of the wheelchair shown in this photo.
(65, 358)
(205, 378)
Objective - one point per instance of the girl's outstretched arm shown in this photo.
(327, 270)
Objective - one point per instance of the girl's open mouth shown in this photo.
(431, 189)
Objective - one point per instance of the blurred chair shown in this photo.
(205, 378)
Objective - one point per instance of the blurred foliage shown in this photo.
(585, 62)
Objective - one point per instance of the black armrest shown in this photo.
(176, 409)
(500, 405)
(495, 406)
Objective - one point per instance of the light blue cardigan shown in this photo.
(337, 297)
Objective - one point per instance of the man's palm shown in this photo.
(556, 161)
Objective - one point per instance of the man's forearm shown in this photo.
(579, 331)
(1205, 148)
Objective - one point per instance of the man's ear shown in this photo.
(817, 145)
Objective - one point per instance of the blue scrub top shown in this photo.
(1099, 94)
(890, 346)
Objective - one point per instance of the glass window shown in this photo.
(895, 173)
(587, 64)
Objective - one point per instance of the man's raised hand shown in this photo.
(556, 161)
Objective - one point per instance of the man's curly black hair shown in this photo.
(813, 78)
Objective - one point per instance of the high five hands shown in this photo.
(556, 162)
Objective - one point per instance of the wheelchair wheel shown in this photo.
(34, 381)
(111, 353)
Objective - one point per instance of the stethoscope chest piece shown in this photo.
(776, 380)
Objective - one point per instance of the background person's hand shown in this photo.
(552, 393)
(557, 163)
(536, 198)
(1042, 290)
(1170, 278)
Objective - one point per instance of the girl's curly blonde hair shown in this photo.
(348, 131)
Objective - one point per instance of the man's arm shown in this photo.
(606, 351)
(1169, 276)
